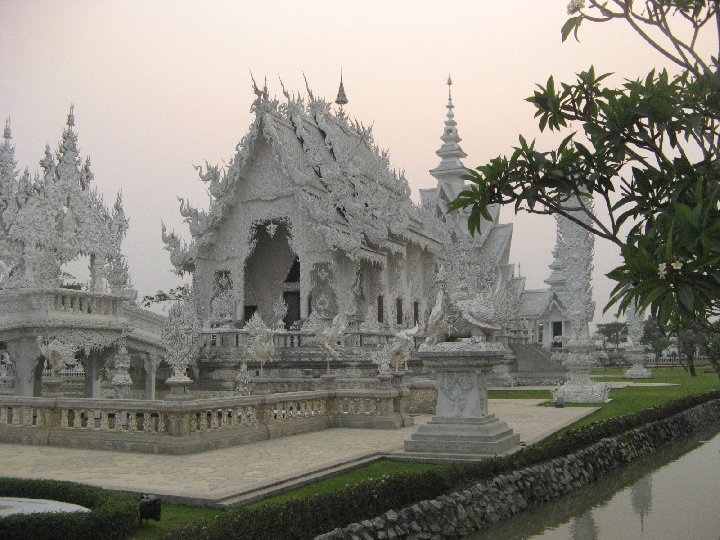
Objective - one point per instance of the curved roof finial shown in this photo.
(307, 87)
(449, 83)
(341, 98)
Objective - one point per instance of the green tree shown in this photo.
(181, 292)
(645, 153)
(615, 332)
(654, 339)
(688, 343)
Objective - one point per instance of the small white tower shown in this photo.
(451, 169)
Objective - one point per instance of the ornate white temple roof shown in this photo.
(334, 169)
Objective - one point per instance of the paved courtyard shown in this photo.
(224, 476)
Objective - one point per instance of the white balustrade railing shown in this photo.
(85, 302)
(193, 416)
(290, 339)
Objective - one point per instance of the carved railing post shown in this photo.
(121, 380)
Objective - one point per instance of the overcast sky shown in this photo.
(159, 86)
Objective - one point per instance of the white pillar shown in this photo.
(306, 269)
(25, 353)
(150, 365)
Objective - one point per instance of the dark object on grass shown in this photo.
(559, 402)
(150, 507)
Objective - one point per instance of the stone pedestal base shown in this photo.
(586, 393)
(462, 429)
(638, 371)
(447, 437)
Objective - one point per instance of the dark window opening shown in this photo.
(292, 299)
(399, 311)
(294, 273)
(381, 310)
(416, 312)
(557, 328)
(249, 312)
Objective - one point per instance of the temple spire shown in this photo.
(451, 169)
(7, 134)
(341, 98)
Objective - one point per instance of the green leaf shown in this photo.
(571, 25)
(686, 296)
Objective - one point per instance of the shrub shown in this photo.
(306, 518)
(112, 515)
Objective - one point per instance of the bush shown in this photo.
(112, 515)
(306, 518)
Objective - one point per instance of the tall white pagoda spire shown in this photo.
(451, 169)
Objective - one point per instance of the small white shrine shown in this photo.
(53, 329)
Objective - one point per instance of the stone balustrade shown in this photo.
(193, 425)
(74, 373)
(287, 339)
(29, 306)
(84, 302)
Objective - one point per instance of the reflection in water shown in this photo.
(584, 527)
(641, 499)
(624, 504)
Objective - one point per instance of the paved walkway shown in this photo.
(229, 475)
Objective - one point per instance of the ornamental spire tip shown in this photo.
(341, 98)
(71, 116)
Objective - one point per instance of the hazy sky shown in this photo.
(159, 86)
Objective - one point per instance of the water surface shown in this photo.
(673, 494)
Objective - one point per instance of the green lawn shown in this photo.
(173, 515)
(634, 398)
(624, 401)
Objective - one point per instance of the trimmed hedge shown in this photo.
(306, 518)
(112, 515)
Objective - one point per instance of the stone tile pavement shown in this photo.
(265, 466)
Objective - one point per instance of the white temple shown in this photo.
(310, 233)
(309, 212)
(321, 293)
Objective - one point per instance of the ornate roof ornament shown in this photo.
(55, 218)
(341, 98)
(7, 134)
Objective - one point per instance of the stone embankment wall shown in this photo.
(459, 513)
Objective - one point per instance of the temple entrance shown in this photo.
(292, 299)
(271, 272)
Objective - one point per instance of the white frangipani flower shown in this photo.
(574, 6)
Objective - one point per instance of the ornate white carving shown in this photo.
(51, 220)
(260, 346)
(280, 310)
(57, 354)
(331, 339)
(243, 384)
(178, 338)
(401, 347)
